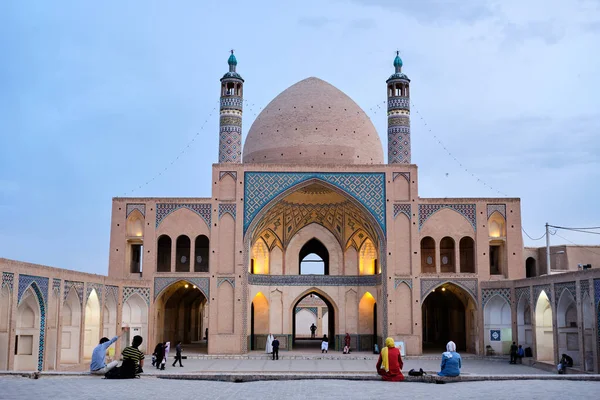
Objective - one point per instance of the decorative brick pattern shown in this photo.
(313, 310)
(227, 209)
(538, 289)
(398, 142)
(56, 286)
(160, 284)
(232, 174)
(314, 280)
(584, 287)
(406, 176)
(230, 140)
(226, 279)
(233, 102)
(202, 209)
(77, 286)
(94, 286)
(398, 281)
(263, 187)
(524, 291)
(405, 209)
(398, 103)
(466, 210)
(39, 285)
(28, 280)
(492, 208)
(8, 279)
(111, 291)
(487, 294)
(469, 285)
(597, 297)
(560, 287)
(142, 291)
(136, 206)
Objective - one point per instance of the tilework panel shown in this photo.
(487, 294)
(398, 142)
(78, 286)
(524, 291)
(559, 287)
(111, 291)
(405, 209)
(398, 281)
(310, 309)
(27, 280)
(230, 143)
(40, 287)
(538, 289)
(8, 279)
(466, 210)
(227, 209)
(202, 209)
(470, 285)
(501, 208)
(161, 284)
(133, 206)
(597, 295)
(584, 287)
(226, 279)
(398, 103)
(232, 174)
(56, 286)
(314, 280)
(92, 286)
(262, 187)
(406, 176)
(142, 291)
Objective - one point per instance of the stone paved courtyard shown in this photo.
(149, 387)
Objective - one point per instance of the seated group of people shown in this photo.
(389, 364)
(133, 360)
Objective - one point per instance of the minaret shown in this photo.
(230, 122)
(398, 102)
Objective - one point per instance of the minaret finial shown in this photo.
(398, 62)
(232, 61)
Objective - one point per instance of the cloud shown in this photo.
(429, 11)
(314, 22)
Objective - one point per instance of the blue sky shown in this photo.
(96, 99)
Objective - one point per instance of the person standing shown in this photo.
(324, 344)
(178, 350)
(513, 353)
(347, 341)
(166, 356)
(159, 352)
(520, 354)
(313, 330)
(269, 345)
(275, 345)
(98, 365)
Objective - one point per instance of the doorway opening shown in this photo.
(313, 316)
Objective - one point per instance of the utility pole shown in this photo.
(548, 248)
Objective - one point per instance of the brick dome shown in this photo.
(312, 122)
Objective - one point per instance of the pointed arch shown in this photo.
(135, 317)
(5, 311)
(71, 328)
(91, 324)
(367, 259)
(524, 326)
(30, 329)
(543, 328)
(497, 318)
(135, 224)
(568, 326)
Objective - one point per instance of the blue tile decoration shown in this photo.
(231, 281)
(466, 210)
(310, 309)
(487, 294)
(77, 286)
(597, 294)
(56, 286)
(469, 285)
(113, 291)
(136, 206)
(314, 280)
(405, 209)
(227, 208)
(262, 187)
(492, 208)
(406, 281)
(560, 287)
(202, 209)
(39, 285)
(97, 287)
(584, 287)
(142, 291)
(538, 289)
(232, 174)
(405, 175)
(160, 284)
(523, 291)
(8, 279)
(495, 335)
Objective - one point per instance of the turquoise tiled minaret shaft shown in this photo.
(230, 121)
(398, 101)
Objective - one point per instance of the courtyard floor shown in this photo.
(149, 387)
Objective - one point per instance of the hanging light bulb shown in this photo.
(186, 286)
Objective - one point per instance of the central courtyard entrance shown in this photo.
(182, 314)
(310, 310)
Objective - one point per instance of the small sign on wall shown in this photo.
(495, 335)
(400, 346)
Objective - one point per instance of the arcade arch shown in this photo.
(313, 299)
(530, 268)
(28, 332)
(91, 335)
(588, 333)
(109, 317)
(71, 329)
(5, 309)
(497, 324)
(135, 317)
(259, 321)
(543, 329)
(568, 332)
(448, 313)
(524, 327)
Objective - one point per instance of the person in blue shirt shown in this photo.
(98, 365)
(451, 361)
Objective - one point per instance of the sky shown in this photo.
(98, 99)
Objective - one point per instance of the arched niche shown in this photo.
(163, 254)
(497, 325)
(467, 255)
(427, 255)
(524, 326)
(496, 226)
(447, 255)
(367, 259)
(28, 332)
(201, 253)
(260, 258)
(92, 325)
(182, 253)
(530, 267)
(71, 329)
(300, 239)
(567, 326)
(543, 329)
(5, 310)
(135, 317)
(109, 316)
(135, 224)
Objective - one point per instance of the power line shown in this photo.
(583, 247)
(579, 230)
(540, 238)
(562, 227)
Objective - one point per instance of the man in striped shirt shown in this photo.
(133, 358)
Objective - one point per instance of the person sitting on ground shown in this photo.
(324, 344)
(133, 359)
(275, 345)
(565, 361)
(451, 361)
(520, 354)
(98, 365)
(513, 353)
(389, 364)
(347, 340)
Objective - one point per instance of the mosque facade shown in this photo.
(305, 224)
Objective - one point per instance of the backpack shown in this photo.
(420, 372)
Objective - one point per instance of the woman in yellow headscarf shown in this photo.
(390, 364)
